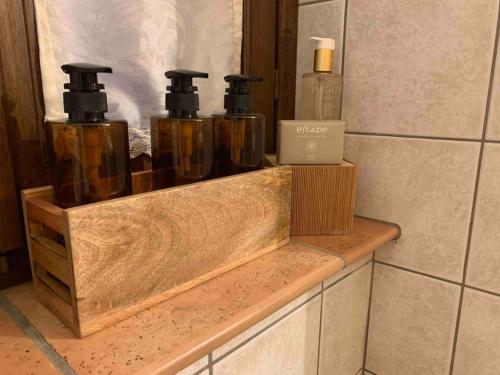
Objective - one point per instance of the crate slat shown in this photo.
(51, 245)
(59, 288)
(61, 309)
(44, 212)
(50, 260)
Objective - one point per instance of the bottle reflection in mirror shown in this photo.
(239, 133)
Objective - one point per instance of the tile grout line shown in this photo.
(367, 331)
(342, 70)
(418, 272)
(344, 29)
(494, 294)
(423, 137)
(476, 188)
(409, 136)
(202, 370)
(319, 332)
(210, 364)
(36, 337)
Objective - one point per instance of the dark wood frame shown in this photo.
(269, 50)
(23, 158)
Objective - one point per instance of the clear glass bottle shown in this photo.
(182, 143)
(88, 154)
(321, 92)
(239, 134)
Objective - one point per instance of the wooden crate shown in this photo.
(97, 264)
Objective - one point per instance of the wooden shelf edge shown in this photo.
(368, 235)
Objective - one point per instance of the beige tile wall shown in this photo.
(484, 260)
(493, 130)
(423, 113)
(412, 323)
(262, 325)
(478, 349)
(345, 311)
(426, 186)
(288, 347)
(428, 61)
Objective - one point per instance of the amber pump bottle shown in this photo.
(239, 133)
(88, 154)
(181, 142)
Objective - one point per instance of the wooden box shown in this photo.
(323, 198)
(97, 264)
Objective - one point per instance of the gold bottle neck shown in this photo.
(323, 60)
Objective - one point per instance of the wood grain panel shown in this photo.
(132, 249)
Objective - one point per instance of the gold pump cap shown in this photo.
(323, 54)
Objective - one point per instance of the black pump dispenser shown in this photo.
(84, 102)
(237, 100)
(182, 100)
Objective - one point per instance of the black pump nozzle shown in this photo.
(237, 100)
(84, 102)
(182, 100)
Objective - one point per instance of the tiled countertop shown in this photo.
(183, 329)
(18, 353)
